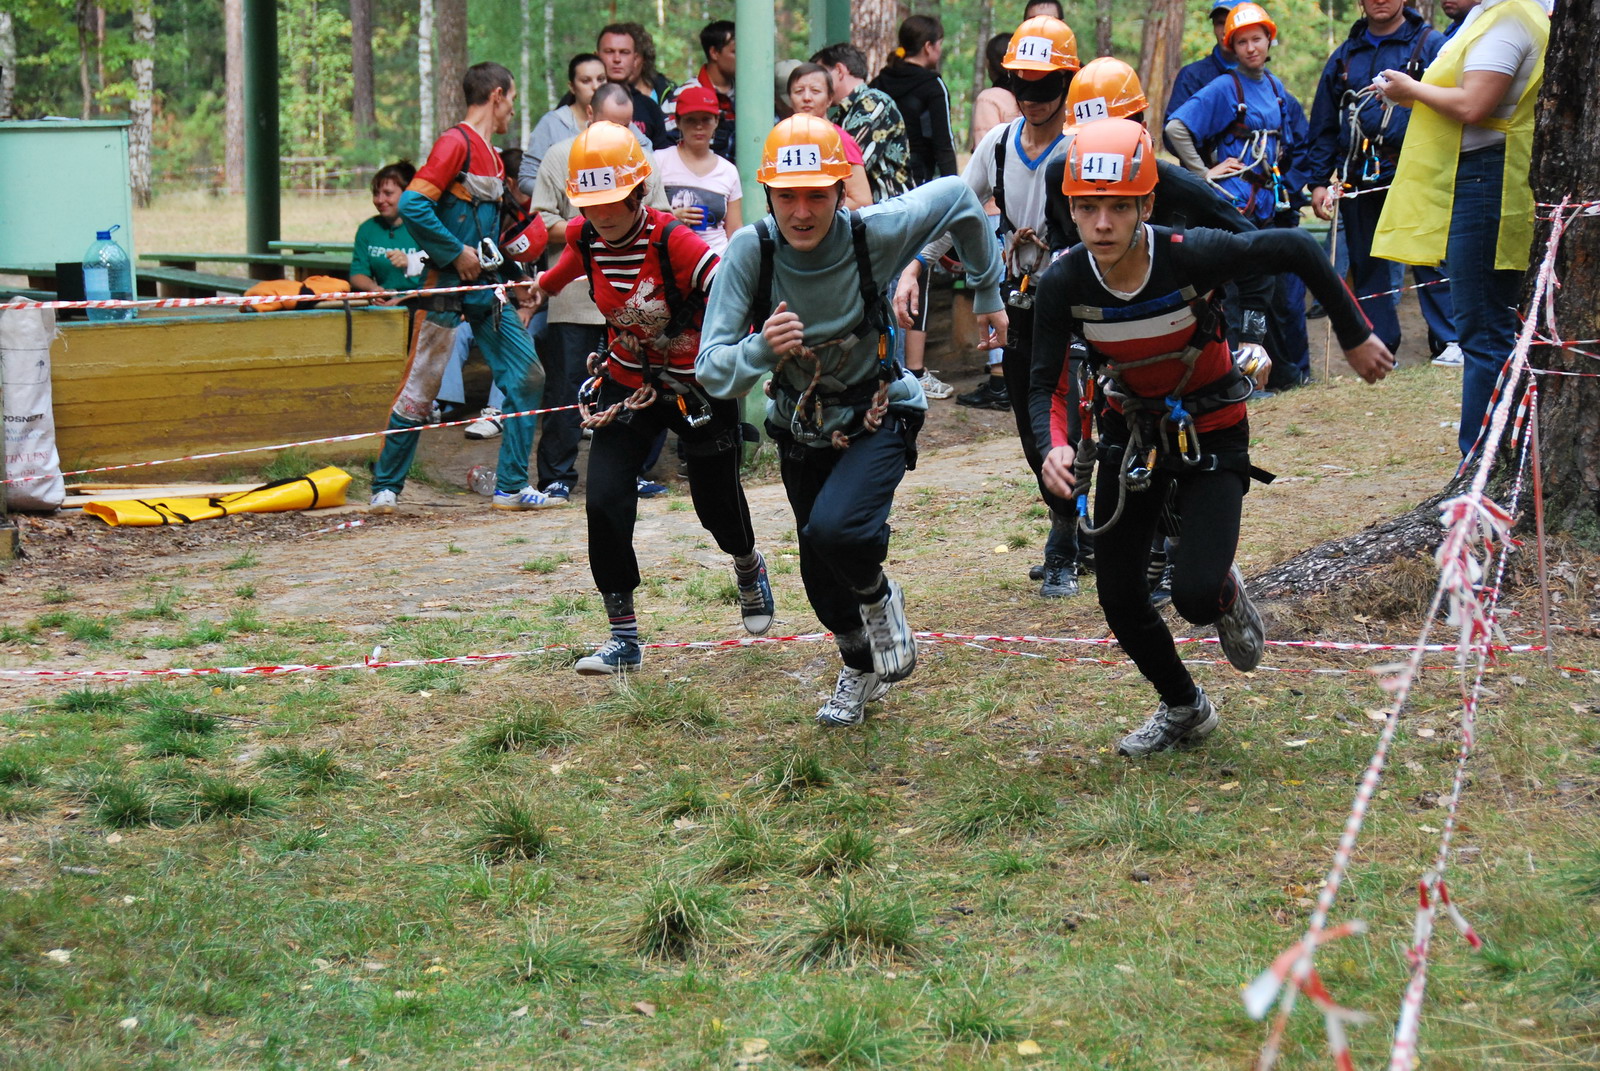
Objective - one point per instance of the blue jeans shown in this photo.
(452, 388)
(1485, 299)
(1358, 219)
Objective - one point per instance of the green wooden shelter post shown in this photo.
(261, 150)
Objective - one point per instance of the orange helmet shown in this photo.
(1247, 15)
(605, 164)
(1041, 46)
(1106, 88)
(803, 150)
(1110, 158)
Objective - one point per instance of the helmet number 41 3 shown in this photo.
(800, 158)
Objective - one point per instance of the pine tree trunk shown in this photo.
(142, 107)
(452, 23)
(233, 114)
(1102, 28)
(1566, 161)
(363, 109)
(1159, 52)
(525, 110)
(8, 64)
(874, 29)
(85, 87)
(980, 62)
(426, 90)
(550, 94)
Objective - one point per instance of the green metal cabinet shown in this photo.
(63, 181)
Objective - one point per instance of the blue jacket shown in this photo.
(1193, 77)
(1350, 69)
(1210, 116)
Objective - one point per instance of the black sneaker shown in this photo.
(1060, 581)
(986, 397)
(755, 602)
(1036, 572)
(614, 656)
(1171, 727)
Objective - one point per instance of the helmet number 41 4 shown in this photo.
(800, 158)
(1035, 49)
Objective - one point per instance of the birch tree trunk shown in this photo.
(425, 86)
(8, 64)
(233, 113)
(363, 108)
(452, 24)
(874, 28)
(142, 107)
(1159, 54)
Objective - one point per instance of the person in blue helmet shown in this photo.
(1193, 77)
(1244, 133)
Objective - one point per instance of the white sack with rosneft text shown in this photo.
(30, 436)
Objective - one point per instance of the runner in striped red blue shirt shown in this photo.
(649, 275)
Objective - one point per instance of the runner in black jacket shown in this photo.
(1145, 299)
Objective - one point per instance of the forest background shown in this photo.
(82, 59)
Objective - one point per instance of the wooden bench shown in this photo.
(181, 282)
(332, 249)
(260, 265)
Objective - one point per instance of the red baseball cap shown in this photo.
(696, 99)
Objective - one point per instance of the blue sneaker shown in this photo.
(614, 656)
(559, 494)
(650, 489)
(527, 498)
(755, 602)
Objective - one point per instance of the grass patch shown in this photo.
(977, 1016)
(289, 464)
(849, 928)
(92, 701)
(1130, 819)
(248, 560)
(840, 851)
(20, 769)
(992, 805)
(847, 1033)
(163, 607)
(674, 918)
(525, 726)
(558, 960)
(745, 845)
(20, 804)
(546, 564)
(507, 830)
(312, 770)
(683, 795)
(795, 775)
(221, 798)
(245, 591)
(129, 804)
(57, 595)
(665, 705)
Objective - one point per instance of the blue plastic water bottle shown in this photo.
(108, 276)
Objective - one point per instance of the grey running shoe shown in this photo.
(1243, 636)
(1171, 727)
(894, 648)
(1060, 581)
(854, 690)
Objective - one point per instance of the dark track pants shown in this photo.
(615, 454)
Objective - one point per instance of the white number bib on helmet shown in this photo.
(1102, 166)
(800, 158)
(594, 179)
(1087, 111)
(1035, 49)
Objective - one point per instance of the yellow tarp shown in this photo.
(316, 490)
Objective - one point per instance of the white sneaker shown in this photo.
(383, 502)
(851, 694)
(527, 498)
(894, 648)
(487, 426)
(1171, 727)
(1449, 357)
(933, 386)
(1240, 632)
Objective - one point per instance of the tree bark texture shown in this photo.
(874, 29)
(8, 64)
(84, 16)
(1160, 53)
(1566, 161)
(525, 109)
(1102, 28)
(141, 107)
(451, 16)
(233, 107)
(363, 108)
(980, 65)
(426, 90)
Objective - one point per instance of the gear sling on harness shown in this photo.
(1258, 142)
(868, 400)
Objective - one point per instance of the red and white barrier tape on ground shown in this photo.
(290, 446)
(976, 641)
(1474, 526)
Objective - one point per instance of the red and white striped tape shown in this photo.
(264, 299)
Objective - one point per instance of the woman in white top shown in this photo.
(702, 188)
(586, 73)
